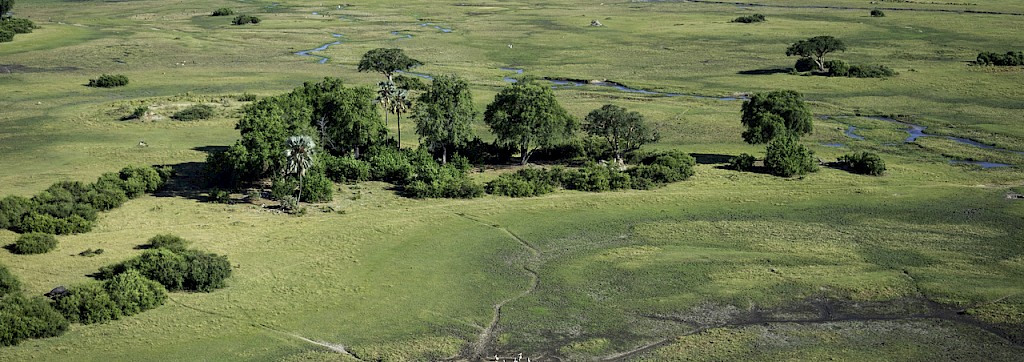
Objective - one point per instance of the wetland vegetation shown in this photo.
(746, 212)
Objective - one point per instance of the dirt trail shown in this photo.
(339, 348)
(477, 349)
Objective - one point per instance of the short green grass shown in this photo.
(399, 279)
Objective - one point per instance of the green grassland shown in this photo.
(725, 266)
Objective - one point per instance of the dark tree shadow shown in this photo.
(766, 71)
(711, 158)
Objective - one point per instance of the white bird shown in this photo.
(510, 46)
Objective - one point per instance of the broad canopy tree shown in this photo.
(386, 61)
(444, 113)
(775, 114)
(624, 130)
(816, 48)
(528, 116)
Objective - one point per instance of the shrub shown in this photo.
(246, 97)
(205, 272)
(88, 303)
(167, 241)
(109, 81)
(786, 157)
(877, 13)
(223, 12)
(870, 71)
(245, 19)
(105, 196)
(49, 224)
(1009, 59)
(661, 168)
(837, 68)
(446, 181)
(17, 25)
(12, 209)
(219, 196)
(148, 178)
(592, 177)
(346, 169)
(289, 203)
(8, 282)
(35, 243)
(865, 163)
(754, 18)
(316, 187)
(805, 65)
(23, 318)
(137, 113)
(134, 293)
(743, 162)
(526, 182)
(390, 165)
(283, 187)
(6, 35)
(194, 113)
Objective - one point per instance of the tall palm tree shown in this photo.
(385, 97)
(400, 104)
(299, 153)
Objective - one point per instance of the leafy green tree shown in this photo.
(773, 114)
(5, 7)
(386, 61)
(624, 130)
(816, 47)
(444, 113)
(528, 116)
(786, 157)
(299, 153)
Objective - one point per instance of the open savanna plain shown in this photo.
(923, 263)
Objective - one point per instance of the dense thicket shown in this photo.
(109, 81)
(70, 207)
(174, 266)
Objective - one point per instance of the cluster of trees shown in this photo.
(109, 81)
(779, 119)
(245, 19)
(70, 207)
(326, 132)
(1009, 59)
(9, 25)
(812, 54)
(747, 19)
(23, 317)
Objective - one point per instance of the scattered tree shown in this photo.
(444, 113)
(773, 114)
(624, 130)
(528, 116)
(816, 48)
(299, 154)
(386, 61)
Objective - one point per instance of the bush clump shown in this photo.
(786, 157)
(194, 113)
(8, 282)
(526, 182)
(187, 269)
(23, 318)
(35, 243)
(743, 162)
(805, 64)
(134, 293)
(87, 304)
(754, 18)
(6, 35)
(223, 12)
(1009, 59)
(865, 163)
(167, 241)
(877, 13)
(245, 19)
(17, 25)
(870, 71)
(346, 169)
(109, 81)
(137, 113)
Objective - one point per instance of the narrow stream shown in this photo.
(323, 59)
